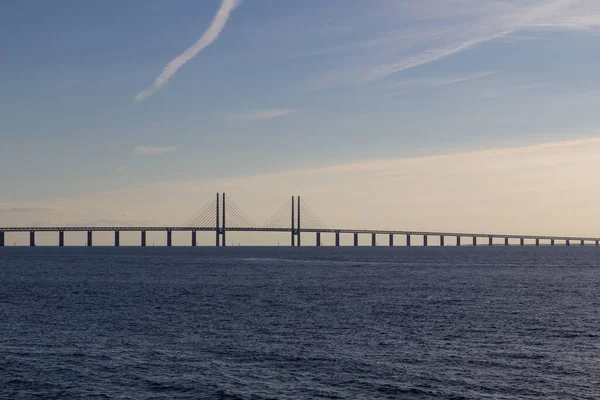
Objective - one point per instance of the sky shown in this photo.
(456, 115)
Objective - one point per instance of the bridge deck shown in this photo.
(303, 230)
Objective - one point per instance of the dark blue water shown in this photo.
(283, 323)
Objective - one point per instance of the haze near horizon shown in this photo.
(456, 115)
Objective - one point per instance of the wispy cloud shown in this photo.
(208, 37)
(22, 209)
(444, 32)
(509, 90)
(258, 115)
(429, 56)
(511, 189)
(410, 85)
(443, 81)
(153, 150)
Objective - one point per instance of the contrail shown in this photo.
(211, 34)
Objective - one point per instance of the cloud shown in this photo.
(38, 214)
(15, 215)
(459, 79)
(536, 189)
(440, 81)
(509, 90)
(533, 15)
(121, 221)
(445, 29)
(410, 85)
(429, 56)
(511, 190)
(258, 115)
(208, 37)
(25, 209)
(153, 150)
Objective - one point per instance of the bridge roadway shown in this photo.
(373, 232)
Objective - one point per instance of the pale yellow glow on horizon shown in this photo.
(540, 189)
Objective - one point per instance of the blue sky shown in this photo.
(284, 86)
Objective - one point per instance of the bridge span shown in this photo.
(293, 218)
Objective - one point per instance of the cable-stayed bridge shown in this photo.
(222, 215)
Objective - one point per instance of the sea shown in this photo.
(300, 323)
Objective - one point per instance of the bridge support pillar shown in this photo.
(355, 239)
(597, 242)
(551, 242)
(318, 239)
(522, 241)
(474, 241)
(32, 238)
(224, 239)
(143, 238)
(424, 240)
(169, 238)
(373, 240)
(117, 239)
(458, 241)
(568, 242)
(408, 240)
(61, 238)
(90, 242)
(537, 241)
(1, 239)
(218, 231)
(441, 240)
(392, 240)
(299, 230)
(506, 241)
(337, 239)
(194, 239)
(491, 241)
(582, 242)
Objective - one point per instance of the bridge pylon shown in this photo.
(220, 224)
(295, 230)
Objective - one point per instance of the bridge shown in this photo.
(294, 217)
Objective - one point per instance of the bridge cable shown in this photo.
(243, 219)
(206, 219)
(282, 218)
(237, 220)
(284, 210)
(313, 218)
(201, 213)
(202, 218)
(198, 213)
